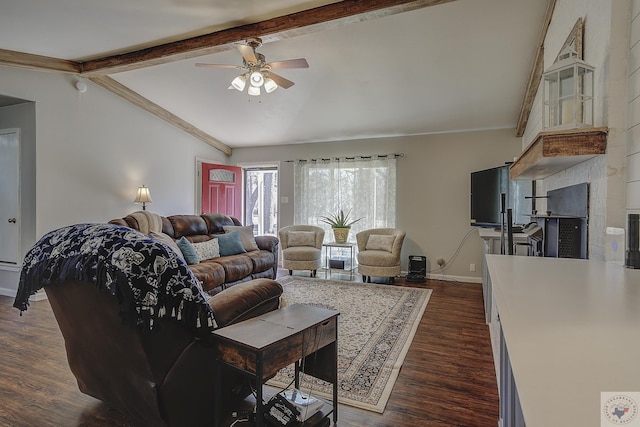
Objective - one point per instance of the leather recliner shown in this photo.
(137, 325)
(164, 377)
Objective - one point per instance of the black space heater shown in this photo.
(417, 268)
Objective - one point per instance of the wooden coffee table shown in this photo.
(261, 346)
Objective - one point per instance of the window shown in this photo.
(261, 197)
(364, 186)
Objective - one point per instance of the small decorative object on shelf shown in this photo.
(341, 224)
(568, 86)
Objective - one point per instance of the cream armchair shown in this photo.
(301, 247)
(379, 253)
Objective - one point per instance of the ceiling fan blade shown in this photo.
(247, 53)
(200, 64)
(281, 81)
(289, 63)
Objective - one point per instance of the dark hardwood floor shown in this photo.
(447, 378)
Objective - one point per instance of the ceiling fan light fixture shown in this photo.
(257, 79)
(239, 82)
(256, 71)
(270, 85)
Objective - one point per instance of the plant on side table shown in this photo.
(341, 224)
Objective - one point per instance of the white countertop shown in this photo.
(572, 330)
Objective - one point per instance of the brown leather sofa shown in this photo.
(223, 272)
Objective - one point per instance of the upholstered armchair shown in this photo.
(301, 247)
(379, 253)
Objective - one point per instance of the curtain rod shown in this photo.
(359, 157)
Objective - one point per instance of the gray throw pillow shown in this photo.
(230, 243)
(189, 252)
(246, 236)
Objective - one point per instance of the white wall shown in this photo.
(633, 134)
(94, 149)
(433, 181)
(605, 46)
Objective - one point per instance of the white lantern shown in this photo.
(568, 93)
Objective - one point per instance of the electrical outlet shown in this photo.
(472, 267)
(440, 262)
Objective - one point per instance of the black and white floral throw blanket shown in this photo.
(148, 279)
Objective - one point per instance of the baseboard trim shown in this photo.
(10, 267)
(448, 278)
(38, 296)
(8, 292)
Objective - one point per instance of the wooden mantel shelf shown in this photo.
(556, 150)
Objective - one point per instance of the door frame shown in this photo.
(17, 264)
(197, 196)
(253, 165)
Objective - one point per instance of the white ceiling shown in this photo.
(461, 65)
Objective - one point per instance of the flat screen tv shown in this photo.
(486, 189)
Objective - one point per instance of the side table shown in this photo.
(328, 251)
(261, 346)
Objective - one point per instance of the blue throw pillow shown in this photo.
(188, 251)
(230, 243)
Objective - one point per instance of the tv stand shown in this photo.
(517, 228)
(564, 236)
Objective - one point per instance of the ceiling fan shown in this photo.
(257, 72)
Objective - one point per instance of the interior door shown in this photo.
(222, 189)
(9, 205)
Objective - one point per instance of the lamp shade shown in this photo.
(239, 82)
(253, 91)
(257, 79)
(143, 196)
(270, 85)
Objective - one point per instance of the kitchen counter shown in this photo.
(571, 329)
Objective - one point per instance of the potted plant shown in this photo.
(341, 224)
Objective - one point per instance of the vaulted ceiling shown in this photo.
(377, 68)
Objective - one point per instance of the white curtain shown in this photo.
(363, 186)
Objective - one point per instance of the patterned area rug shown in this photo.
(375, 328)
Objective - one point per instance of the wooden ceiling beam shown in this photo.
(142, 102)
(535, 74)
(321, 18)
(38, 62)
(308, 21)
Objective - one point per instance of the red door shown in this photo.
(222, 189)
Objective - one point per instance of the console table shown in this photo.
(563, 330)
(261, 346)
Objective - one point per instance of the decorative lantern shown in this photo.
(568, 93)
